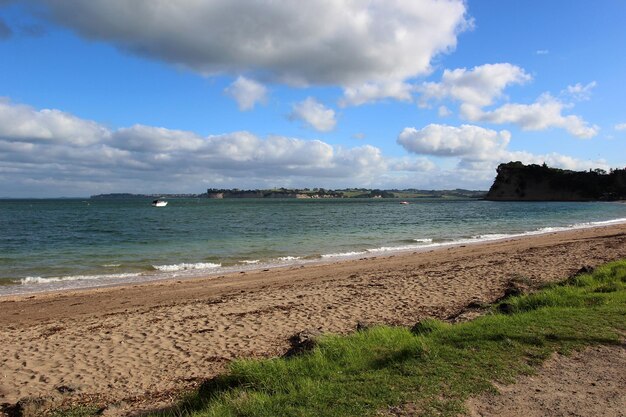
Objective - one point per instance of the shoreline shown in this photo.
(253, 266)
(152, 339)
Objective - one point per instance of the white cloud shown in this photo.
(579, 92)
(478, 152)
(148, 139)
(38, 159)
(23, 123)
(354, 44)
(545, 113)
(247, 92)
(464, 141)
(315, 114)
(557, 160)
(50, 152)
(620, 126)
(542, 52)
(479, 86)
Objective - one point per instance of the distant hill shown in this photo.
(344, 193)
(304, 193)
(518, 182)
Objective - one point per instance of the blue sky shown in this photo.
(116, 96)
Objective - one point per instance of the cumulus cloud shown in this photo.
(545, 113)
(247, 93)
(50, 152)
(579, 92)
(23, 123)
(314, 114)
(44, 151)
(464, 141)
(478, 152)
(358, 45)
(557, 160)
(479, 86)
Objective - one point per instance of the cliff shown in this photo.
(518, 182)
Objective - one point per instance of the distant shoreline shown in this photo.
(306, 193)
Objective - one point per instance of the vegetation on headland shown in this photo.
(308, 193)
(516, 181)
(434, 367)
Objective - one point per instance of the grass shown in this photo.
(435, 366)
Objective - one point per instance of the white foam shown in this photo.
(343, 254)
(600, 223)
(186, 266)
(289, 258)
(423, 240)
(394, 248)
(112, 265)
(47, 280)
(253, 262)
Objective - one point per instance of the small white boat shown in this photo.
(159, 203)
(404, 202)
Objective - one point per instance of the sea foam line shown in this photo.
(427, 243)
(47, 280)
(421, 244)
(186, 266)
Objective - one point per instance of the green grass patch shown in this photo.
(435, 365)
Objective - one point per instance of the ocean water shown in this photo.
(66, 243)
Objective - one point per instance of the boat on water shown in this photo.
(404, 202)
(159, 203)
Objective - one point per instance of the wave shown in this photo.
(343, 254)
(186, 266)
(426, 243)
(47, 280)
(192, 269)
(289, 258)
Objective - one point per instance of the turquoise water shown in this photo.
(55, 244)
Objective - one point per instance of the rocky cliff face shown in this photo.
(518, 182)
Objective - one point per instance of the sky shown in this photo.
(162, 96)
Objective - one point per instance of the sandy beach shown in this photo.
(143, 344)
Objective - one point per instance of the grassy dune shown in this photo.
(434, 366)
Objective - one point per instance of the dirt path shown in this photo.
(587, 383)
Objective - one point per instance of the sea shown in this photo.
(62, 244)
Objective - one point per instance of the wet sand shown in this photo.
(143, 343)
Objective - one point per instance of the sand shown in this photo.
(142, 344)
